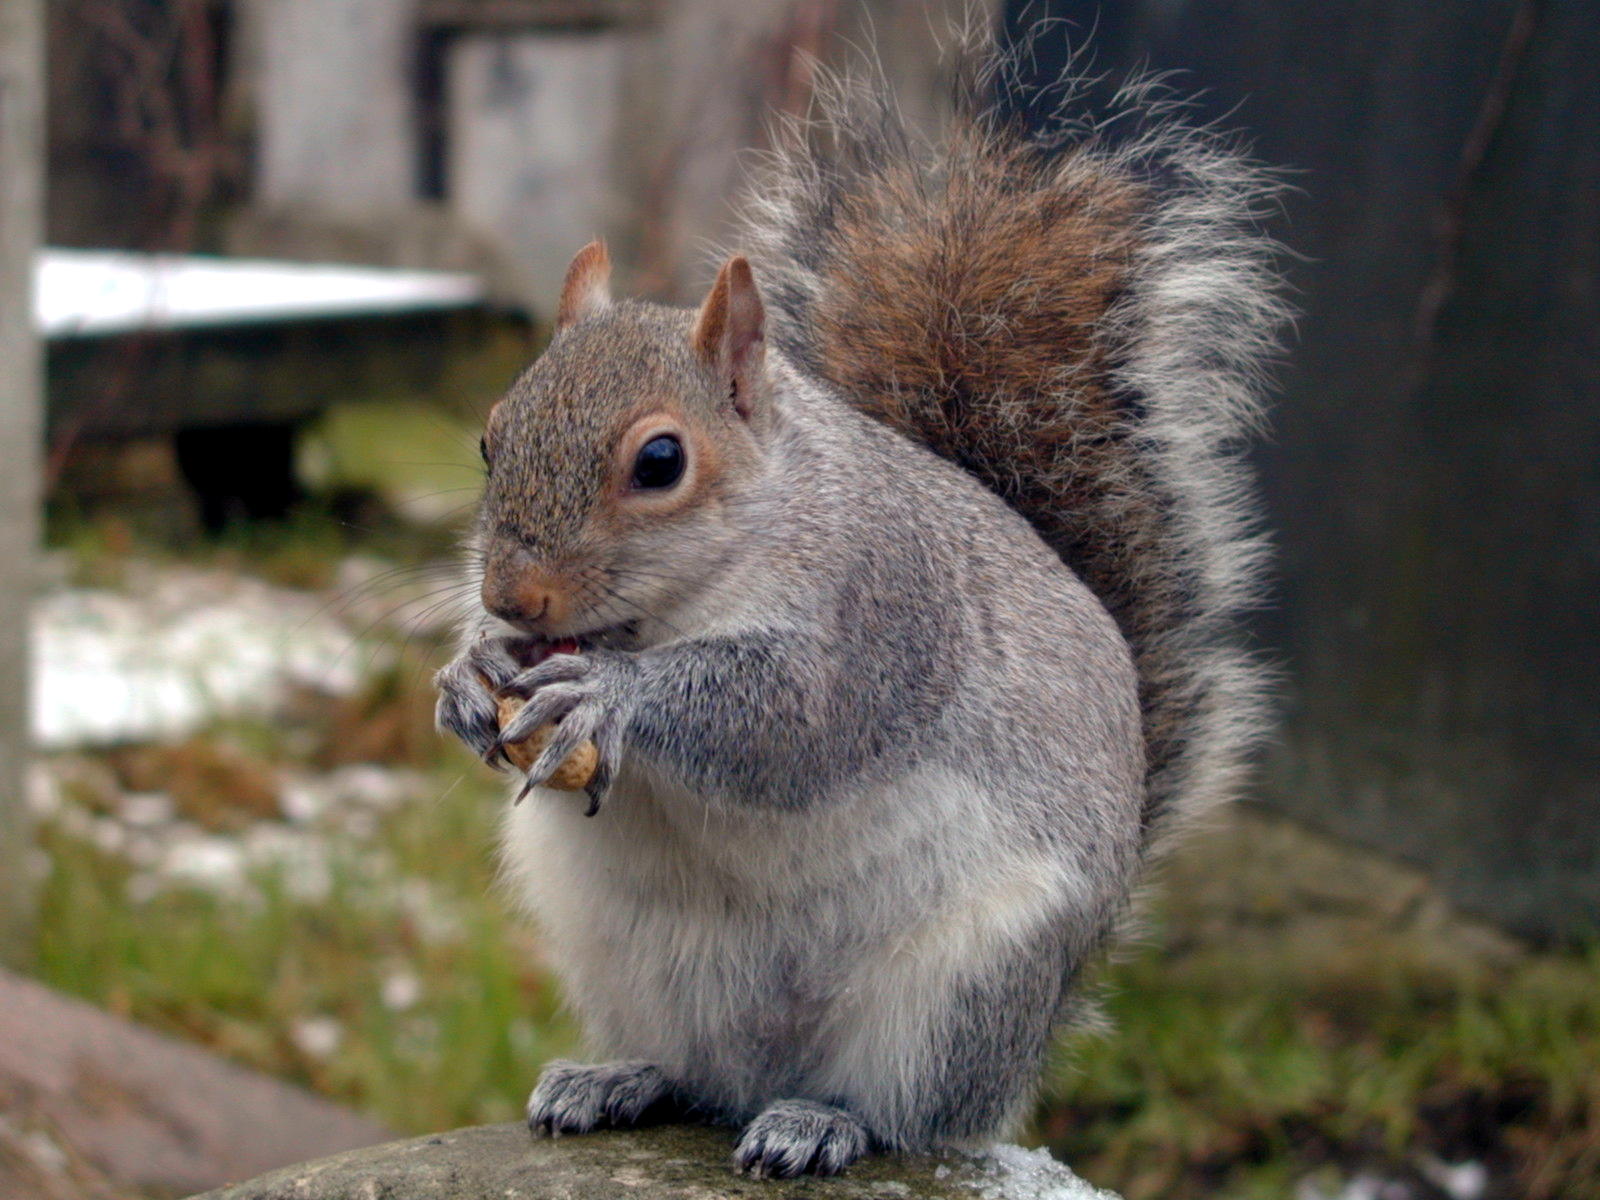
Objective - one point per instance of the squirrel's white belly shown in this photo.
(821, 980)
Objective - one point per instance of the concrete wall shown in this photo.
(21, 219)
(531, 122)
(1432, 478)
(335, 131)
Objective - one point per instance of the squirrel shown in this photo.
(897, 588)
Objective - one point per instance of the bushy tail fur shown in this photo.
(1079, 316)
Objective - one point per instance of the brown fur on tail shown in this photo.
(1081, 327)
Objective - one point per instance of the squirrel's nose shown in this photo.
(524, 596)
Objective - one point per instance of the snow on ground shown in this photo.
(1012, 1173)
(170, 653)
(329, 825)
(179, 649)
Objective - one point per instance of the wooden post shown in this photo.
(21, 209)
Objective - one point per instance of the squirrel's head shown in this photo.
(618, 462)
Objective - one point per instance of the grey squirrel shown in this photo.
(895, 587)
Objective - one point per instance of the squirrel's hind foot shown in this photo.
(576, 1097)
(798, 1137)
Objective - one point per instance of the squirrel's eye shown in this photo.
(483, 449)
(660, 463)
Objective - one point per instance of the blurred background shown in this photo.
(264, 265)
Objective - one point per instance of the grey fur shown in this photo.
(576, 1098)
(798, 1137)
(873, 762)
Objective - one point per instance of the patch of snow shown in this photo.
(437, 921)
(302, 801)
(145, 810)
(380, 788)
(400, 990)
(317, 1037)
(1459, 1181)
(207, 861)
(108, 835)
(1012, 1173)
(43, 791)
(1361, 1187)
(303, 858)
(300, 860)
(352, 792)
(146, 848)
(187, 648)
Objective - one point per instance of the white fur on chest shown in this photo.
(757, 954)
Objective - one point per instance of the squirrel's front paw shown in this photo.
(575, 1098)
(467, 686)
(591, 697)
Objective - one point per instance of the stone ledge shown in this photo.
(148, 1113)
(677, 1162)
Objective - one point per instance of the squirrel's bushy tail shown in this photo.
(1080, 318)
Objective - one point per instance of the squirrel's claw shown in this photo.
(545, 707)
(466, 705)
(608, 742)
(558, 668)
(586, 697)
(598, 785)
(575, 728)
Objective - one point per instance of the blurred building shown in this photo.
(494, 135)
(441, 133)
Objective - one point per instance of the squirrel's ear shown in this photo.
(730, 335)
(587, 287)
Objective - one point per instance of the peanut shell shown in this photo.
(573, 775)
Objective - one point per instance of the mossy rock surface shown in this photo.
(502, 1162)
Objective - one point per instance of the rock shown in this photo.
(671, 1162)
(1260, 888)
(82, 1088)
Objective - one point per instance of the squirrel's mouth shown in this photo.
(535, 650)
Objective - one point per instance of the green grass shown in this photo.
(422, 460)
(239, 974)
(1227, 1075)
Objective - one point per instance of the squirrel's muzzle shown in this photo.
(522, 594)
